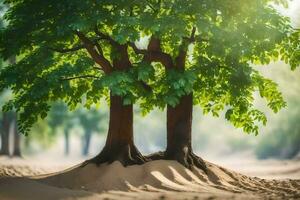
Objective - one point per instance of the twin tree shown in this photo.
(156, 53)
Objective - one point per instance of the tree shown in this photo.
(284, 143)
(198, 51)
(5, 134)
(14, 122)
(9, 131)
(80, 52)
(17, 137)
(209, 50)
(8, 117)
(90, 122)
(58, 118)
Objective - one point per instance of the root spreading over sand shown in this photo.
(153, 180)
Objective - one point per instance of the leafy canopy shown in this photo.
(222, 42)
(75, 50)
(69, 50)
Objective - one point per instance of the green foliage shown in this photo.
(284, 141)
(230, 37)
(41, 134)
(35, 29)
(59, 116)
(90, 120)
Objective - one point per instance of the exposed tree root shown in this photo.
(186, 158)
(125, 154)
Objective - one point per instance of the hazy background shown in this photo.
(213, 138)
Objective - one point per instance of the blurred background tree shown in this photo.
(90, 121)
(60, 118)
(284, 142)
(8, 121)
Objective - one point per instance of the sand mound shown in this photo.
(18, 167)
(153, 180)
(21, 170)
(167, 176)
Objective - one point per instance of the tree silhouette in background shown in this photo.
(9, 131)
(4, 127)
(90, 121)
(59, 117)
(5, 134)
(284, 143)
(9, 118)
(8, 128)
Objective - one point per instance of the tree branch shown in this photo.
(68, 50)
(125, 59)
(96, 55)
(154, 53)
(105, 37)
(136, 49)
(97, 68)
(199, 39)
(151, 6)
(192, 37)
(78, 77)
(99, 49)
(181, 57)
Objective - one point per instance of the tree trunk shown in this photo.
(179, 135)
(119, 144)
(17, 141)
(5, 134)
(67, 141)
(86, 143)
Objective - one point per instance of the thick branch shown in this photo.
(79, 77)
(99, 49)
(200, 39)
(136, 49)
(154, 53)
(124, 62)
(151, 6)
(154, 44)
(68, 50)
(181, 57)
(96, 55)
(192, 37)
(106, 37)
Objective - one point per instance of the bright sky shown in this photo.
(293, 11)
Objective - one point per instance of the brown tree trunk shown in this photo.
(67, 141)
(86, 142)
(17, 139)
(179, 124)
(5, 135)
(179, 135)
(119, 144)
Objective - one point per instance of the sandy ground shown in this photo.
(153, 180)
(246, 163)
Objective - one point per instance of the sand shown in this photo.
(153, 180)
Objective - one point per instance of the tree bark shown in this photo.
(86, 143)
(179, 135)
(5, 134)
(17, 139)
(67, 141)
(119, 144)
